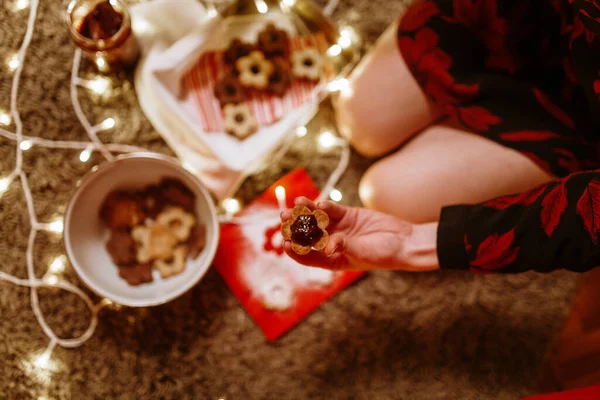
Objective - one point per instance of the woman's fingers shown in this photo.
(303, 201)
(285, 215)
(315, 258)
(335, 211)
(337, 244)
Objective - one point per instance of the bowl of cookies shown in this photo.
(141, 230)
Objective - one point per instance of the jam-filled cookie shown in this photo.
(255, 70)
(273, 42)
(307, 64)
(239, 120)
(306, 230)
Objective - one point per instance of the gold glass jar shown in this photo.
(102, 29)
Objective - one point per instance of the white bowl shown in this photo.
(85, 234)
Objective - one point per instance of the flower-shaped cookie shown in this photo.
(174, 265)
(154, 243)
(228, 90)
(306, 229)
(178, 221)
(273, 42)
(255, 70)
(239, 120)
(307, 64)
(236, 50)
(281, 79)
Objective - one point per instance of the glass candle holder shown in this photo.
(102, 29)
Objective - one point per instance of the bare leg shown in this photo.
(384, 106)
(442, 166)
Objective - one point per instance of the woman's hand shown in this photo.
(362, 239)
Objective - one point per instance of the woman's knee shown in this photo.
(397, 192)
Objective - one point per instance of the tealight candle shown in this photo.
(102, 29)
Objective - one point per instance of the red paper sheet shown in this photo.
(251, 254)
(589, 393)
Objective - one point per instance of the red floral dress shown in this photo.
(525, 74)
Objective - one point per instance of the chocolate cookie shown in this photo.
(137, 274)
(228, 90)
(281, 78)
(122, 210)
(236, 50)
(197, 241)
(273, 42)
(178, 194)
(121, 247)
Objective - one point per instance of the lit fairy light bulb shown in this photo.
(43, 360)
(13, 62)
(108, 123)
(101, 62)
(20, 5)
(335, 195)
(327, 140)
(57, 265)
(301, 131)
(212, 12)
(232, 206)
(5, 118)
(288, 3)
(348, 36)
(85, 155)
(52, 280)
(56, 226)
(261, 6)
(334, 50)
(25, 145)
(98, 85)
(338, 85)
(4, 184)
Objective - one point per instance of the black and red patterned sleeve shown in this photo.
(555, 226)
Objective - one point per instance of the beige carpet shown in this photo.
(446, 335)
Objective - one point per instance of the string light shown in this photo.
(98, 85)
(301, 131)
(232, 206)
(20, 5)
(57, 266)
(13, 62)
(288, 3)
(335, 195)
(261, 6)
(334, 50)
(85, 155)
(25, 145)
(56, 226)
(5, 118)
(327, 140)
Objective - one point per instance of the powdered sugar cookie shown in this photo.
(254, 70)
(239, 120)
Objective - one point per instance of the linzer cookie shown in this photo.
(306, 230)
(236, 50)
(229, 90)
(154, 228)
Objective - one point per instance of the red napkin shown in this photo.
(251, 255)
